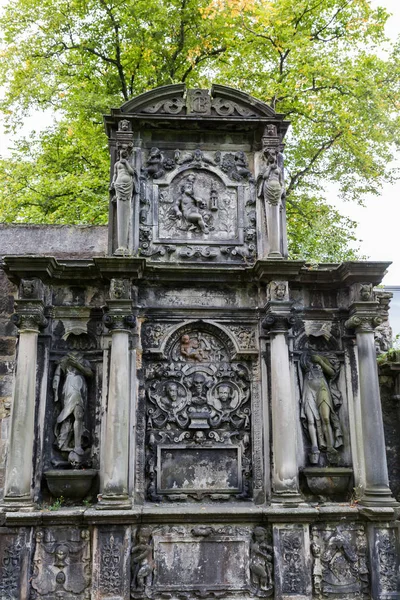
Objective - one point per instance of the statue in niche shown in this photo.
(188, 207)
(261, 561)
(319, 405)
(122, 186)
(142, 561)
(199, 411)
(270, 184)
(69, 430)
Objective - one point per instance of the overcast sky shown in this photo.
(379, 219)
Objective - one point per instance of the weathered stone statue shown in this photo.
(123, 185)
(270, 188)
(69, 429)
(319, 405)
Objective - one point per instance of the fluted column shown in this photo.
(115, 464)
(363, 320)
(29, 317)
(285, 479)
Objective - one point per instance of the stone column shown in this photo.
(115, 465)
(29, 317)
(285, 480)
(363, 319)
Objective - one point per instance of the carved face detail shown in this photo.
(280, 291)
(365, 292)
(61, 555)
(199, 437)
(28, 287)
(224, 393)
(259, 535)
(198, 383)
(124, 125)
(171, 391)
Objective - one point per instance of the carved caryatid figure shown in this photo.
(123, 185)
(142, 561)
(187, 206)
(261, 560)
(69, 429)
(271, 189)
(319, 405)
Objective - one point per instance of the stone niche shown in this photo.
(193, 414)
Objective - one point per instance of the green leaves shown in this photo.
(325, 64)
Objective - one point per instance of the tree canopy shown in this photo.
(323, 63)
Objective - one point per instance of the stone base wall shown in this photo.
(72, 555)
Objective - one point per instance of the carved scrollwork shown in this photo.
(172, 106)
(198, 405)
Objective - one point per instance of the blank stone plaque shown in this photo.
(215, 469)
(217, 563)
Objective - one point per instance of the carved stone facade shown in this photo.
(193, 415)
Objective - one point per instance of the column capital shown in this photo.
(279, 318)
(364, 317)
(118, 315)
(29, 315)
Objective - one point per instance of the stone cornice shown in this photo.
(328, 276)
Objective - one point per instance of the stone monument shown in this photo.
(193, 414)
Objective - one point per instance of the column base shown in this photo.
(18, 504)
(117, 502)
(379, 496)
(275, 254)
(287, 498)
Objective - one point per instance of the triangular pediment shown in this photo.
(176, 100)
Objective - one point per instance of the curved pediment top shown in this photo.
(163, 93)
(177, 101)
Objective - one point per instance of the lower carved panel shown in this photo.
(14, 554)
(383, 543)
(201, 561)
(61, 564)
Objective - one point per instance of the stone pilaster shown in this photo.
(363, 320)
(29, 318)
(285, 481)
(115, 465)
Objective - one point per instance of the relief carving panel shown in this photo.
(198, 419)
